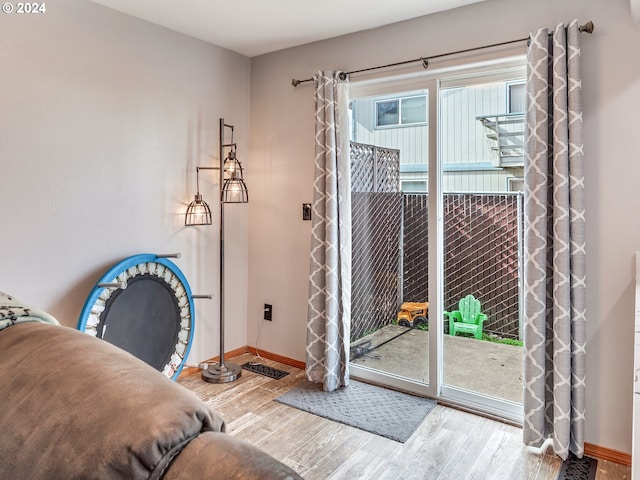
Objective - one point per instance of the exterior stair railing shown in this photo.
(505, 136)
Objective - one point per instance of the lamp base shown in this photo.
(221, 373)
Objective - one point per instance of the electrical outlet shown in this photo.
(268, 311)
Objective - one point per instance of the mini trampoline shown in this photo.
(143, 305)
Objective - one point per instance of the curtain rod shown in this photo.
(587, 27)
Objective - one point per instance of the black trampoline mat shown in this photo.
(143, 319)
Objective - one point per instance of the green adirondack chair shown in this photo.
(468, 318)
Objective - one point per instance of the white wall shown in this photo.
(103, 119)
(281, 171)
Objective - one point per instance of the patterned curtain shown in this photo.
(329, 312)
(555, 293)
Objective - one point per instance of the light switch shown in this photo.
(306, 211)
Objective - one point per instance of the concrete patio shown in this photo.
(489, 368)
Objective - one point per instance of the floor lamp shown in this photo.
(232, 190)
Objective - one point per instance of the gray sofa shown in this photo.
(77, 407)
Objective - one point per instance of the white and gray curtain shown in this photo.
(329, 310)
(555, 292)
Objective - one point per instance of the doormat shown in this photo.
(265, 370)
(574, 468)
(377, 410)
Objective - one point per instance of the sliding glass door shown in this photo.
(437, 166)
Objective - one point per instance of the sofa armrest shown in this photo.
(218, 455)
(77, 407)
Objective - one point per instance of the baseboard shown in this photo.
(602, 453)
(185, 372)
(277, 358)
(246, 349)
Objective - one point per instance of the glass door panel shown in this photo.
(482, 155)
(389, 165)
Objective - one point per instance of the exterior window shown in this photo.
(516, 98)
(401, 111)
(515, 184)
(387, 113)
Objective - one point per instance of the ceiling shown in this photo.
(254, 27)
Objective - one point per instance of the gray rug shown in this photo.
(378, 410)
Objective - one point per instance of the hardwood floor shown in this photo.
(450, 444)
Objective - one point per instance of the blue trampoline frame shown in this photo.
(121, 267)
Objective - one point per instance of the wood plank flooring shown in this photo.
(450, 444)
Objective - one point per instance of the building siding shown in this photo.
(463, 145)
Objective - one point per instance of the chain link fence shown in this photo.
(376, 205)
(482, 241)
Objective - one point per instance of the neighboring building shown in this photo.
(481, 128)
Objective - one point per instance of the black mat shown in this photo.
(265, 370)
(378, 410)
(574, 468)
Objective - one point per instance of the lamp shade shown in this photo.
(232, 166)
(234, 190)
(198, 212)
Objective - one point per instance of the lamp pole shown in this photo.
(222, 372)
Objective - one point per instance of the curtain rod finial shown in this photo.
(587, 27)
(295, 82)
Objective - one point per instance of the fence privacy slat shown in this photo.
(390, 248)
